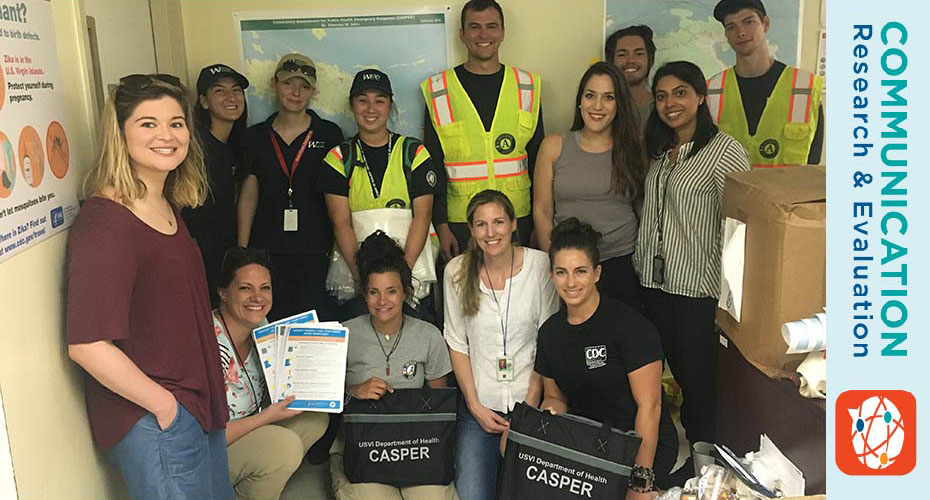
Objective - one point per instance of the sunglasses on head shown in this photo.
(292, 66)
(141, 81)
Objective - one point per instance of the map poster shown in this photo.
(408, 46)
(685, 30)
(37, 183)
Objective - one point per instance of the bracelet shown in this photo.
(642, 479)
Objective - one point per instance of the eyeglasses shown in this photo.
(293, 66)
(140, 81)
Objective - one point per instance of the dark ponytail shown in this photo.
(571, 233)
(379, 253)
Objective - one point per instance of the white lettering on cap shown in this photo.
(371, 76)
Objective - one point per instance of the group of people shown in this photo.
(604, 237)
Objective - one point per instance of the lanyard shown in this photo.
(662, 201)
(232, 343)
(290, 173)
(505, 320)
(375, 190)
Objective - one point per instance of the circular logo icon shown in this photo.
(396, 203)
(409, 369)
(431, 178)
(878, 432)
(56, 145)
(769, 148)
(505, 144)
(31, 156)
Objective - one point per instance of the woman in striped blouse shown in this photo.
(678, 250)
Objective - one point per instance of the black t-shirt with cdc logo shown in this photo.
(590, 362)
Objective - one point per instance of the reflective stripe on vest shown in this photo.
(525, 87)
(801, 85)
(715, 95)
(478, 170)
(439, 93)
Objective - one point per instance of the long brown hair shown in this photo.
(629, 162)
(185, 186)
(468, 279)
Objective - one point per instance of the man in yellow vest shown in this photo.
(484, 124)
(774, 110)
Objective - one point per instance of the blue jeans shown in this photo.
(477, 458)
(181, 462)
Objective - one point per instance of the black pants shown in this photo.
(462, 234)
(689, 339)
(299, 284)
(212, 264)
(619, 281)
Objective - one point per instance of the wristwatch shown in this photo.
(642, 479)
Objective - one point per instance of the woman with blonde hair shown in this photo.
(138, 311)
(497, 295)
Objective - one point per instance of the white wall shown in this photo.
(124, 37)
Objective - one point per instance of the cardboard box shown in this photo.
(784, 210)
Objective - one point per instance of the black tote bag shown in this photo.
(556, 457)
(406, 438)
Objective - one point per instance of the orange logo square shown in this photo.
(876, 433)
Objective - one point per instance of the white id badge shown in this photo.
(504, 368)
(290, 219)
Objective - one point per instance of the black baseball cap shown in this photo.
(726, 7)
(210, 74)
(370, 79)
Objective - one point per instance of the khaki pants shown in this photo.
(261, 462)
(346, 490)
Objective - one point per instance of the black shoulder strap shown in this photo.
(348, 156)
(411, 146)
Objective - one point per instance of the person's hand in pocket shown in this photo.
(168, 414)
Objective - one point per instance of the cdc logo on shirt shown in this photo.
(876, 433)
(595, 356)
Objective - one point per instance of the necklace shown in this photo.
(162, 215)
(387, 354)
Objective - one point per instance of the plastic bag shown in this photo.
(395, 222)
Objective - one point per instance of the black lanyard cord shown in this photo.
(357, 143)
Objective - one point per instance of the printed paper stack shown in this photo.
(305, 358)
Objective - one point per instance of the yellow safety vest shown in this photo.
(476, 160)
(407, 155)
(788, 123)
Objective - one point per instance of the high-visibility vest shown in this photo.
(407, 154)
(476, 160)
(788, 123)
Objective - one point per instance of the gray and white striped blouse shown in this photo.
(686, 197)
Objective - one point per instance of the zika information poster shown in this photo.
(37, 182)
(878, 112)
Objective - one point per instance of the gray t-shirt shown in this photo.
(582, 187)
(421, 354)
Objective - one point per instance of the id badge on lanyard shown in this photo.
(290, 213)
(504, 368)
